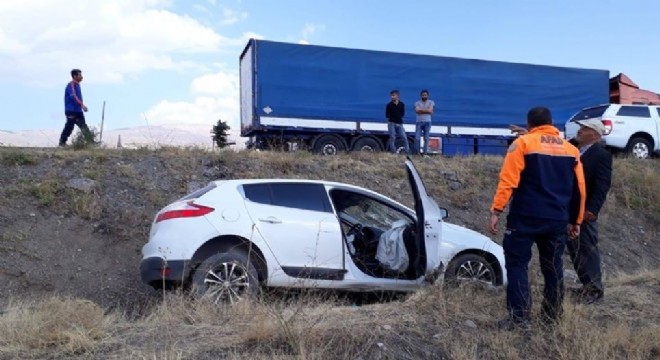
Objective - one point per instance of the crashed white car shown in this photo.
(232, 237)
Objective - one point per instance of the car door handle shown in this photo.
(271, 220)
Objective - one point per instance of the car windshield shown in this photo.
(589, 113)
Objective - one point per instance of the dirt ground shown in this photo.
(73, 222)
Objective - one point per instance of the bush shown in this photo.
(85, 140)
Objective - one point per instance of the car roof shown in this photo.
(237, 182)
(602, 105)
(299, 181)
(273, 180)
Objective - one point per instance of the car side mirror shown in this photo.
(444, 213)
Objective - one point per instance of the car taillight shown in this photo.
(186, 211)
(608, 126)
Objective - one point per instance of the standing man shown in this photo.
(544, 175)
(423, 109)
(74, 108)
(394, 112)
(597, 163)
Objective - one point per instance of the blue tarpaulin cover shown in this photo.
(318, 82)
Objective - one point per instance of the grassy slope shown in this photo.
(430, 324)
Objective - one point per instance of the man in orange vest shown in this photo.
(543, 178)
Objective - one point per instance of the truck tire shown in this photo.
(328, 145)
(639, 148)
(367, 143)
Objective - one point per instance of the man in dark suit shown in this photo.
(597, 164)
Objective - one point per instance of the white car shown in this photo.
(634, 129)
(232, 237)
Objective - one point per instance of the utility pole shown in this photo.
(102, 121)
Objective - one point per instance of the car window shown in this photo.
(367, 211)
(292, 195)
(301, 196)
(259, 193)
(658, 111)
(590, 113)
(638, 111)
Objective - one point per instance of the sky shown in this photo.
(163, 62)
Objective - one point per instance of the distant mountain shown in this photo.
(152, 136)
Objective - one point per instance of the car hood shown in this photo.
(465, 237)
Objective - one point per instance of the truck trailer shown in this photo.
(330, 99)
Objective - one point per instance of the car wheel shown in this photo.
(367, 144)
(470, 268)
(639, 148)
(329, 145)
(226, 278)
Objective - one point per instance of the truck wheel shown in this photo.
(329, 145)
(639, 148)
(367, 143)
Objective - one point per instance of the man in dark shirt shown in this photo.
(394, 112)
(597, 163)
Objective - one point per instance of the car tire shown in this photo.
(470, 268)
(367, 143)
(328, 145)
(226, 278)
(639, 148)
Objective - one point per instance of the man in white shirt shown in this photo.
(423, 109)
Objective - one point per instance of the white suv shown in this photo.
(634, 129)
(232, 237)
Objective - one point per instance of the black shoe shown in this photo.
(590, 298)
(586, 296)
(511, 324)
(62, 145)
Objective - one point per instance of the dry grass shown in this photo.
(85, 205)
(635, 184)
(56, 325)
(434, 323)
(16, 158)
(46, 191)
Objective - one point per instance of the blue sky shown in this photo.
(176, 61)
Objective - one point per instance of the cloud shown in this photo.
(252, 35)
(41, 39)
(215, 96)
(309, 30)
(230, 16)
(11, 46)
(219, 83)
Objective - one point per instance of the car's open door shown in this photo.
(429, 225)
